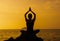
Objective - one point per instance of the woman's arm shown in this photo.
(34, 16)
(26, 14)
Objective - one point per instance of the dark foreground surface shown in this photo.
(46, 34)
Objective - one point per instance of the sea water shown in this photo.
(46, 34)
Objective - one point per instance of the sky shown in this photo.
(12, 13)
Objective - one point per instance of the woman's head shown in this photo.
(30, 16)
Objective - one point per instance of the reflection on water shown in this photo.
(46, 34)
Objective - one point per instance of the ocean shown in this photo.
(45, 34)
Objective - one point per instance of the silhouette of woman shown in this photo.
(30, 34)
(30, 21)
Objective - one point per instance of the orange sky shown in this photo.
(12, 13)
